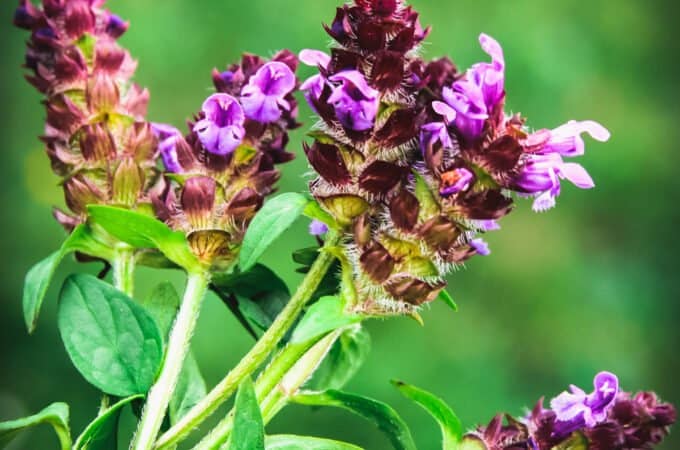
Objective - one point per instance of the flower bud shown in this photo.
(128, 181)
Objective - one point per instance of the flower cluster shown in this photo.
(218, 174)
(606, 419)
(96, 135)
(415, 158)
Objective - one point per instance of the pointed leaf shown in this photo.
(248, 431)
(323, 316)
(291, 442)
(190, 389)
(344, 359)
(446, 298)
(143, 231)
(314, 211)
(162, 304)
(113, 342)
(102, 432)
(451, 427)
(275, 217)
(56, 415)
(382, 415)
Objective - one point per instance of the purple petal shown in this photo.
(444, 110)
(577, 175)
(567, 141)
(489, 225)
(480, 246)
(492, 48)
(314, 58)
(263, 97)
(455, 181)
(221, 131)
(317, 228)
(434, 132)
(355, 102)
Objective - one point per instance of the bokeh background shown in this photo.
(591, 285)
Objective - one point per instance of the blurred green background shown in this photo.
(589, 286)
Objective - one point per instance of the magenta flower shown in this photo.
(455, 181)
(433, 133)
(469, 101)
(567, 141)
(480, 246)
(355, 102)
(221, 131)
(314, 85)
(168, 137)
(576, 410)
(263, 98)
(317, 228)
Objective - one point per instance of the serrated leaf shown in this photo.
(451, 427)
(113, 342)
(56, 415)
(445, 297)
(292, 442)
(102, 432)
(380, 414)
(275, 217)
(40, 276)
(248, 431)
(143, 231)
(323, 316)
(345, 358)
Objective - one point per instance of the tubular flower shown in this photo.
(225, 166)
(96, 134)
(416, 159)
(606, 419)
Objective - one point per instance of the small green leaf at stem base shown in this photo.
(382, 415)
(291, 442)
(451, 427)
(275, 217)
(248, 431)
(113, 342)
(343, 361)
(102, 432)
(323, 316)
(56, 414)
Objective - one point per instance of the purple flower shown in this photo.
(489, 225)
(455, 181)
(469, 101)
(576, 410)
(433, 133)
(567, 141)
(317, 228)
(313, 86)
(168, 137)
(221, 131)
(480, 246)
(263, 97)
(355, 102)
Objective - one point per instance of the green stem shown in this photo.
(258, 354)
(123, 265)
(178, 345)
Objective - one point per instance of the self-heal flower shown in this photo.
(263, 97)
(567, 141)
(576, 410)
(455, 181)
(434, 133)
(317, 228)
(221, 131)
(314, 85)
(355, 102)
(480, 246)
(168, 138)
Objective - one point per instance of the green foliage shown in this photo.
(275, 217)
(330, 284)
(40, 276)
(451, 427)
(248, 431)
(144, 232)
(314, 211)
(56, 415)
(113, 342)
(291, 442)
(255, 297)
(326, 315)
(345, 358)
(102, 432)
(381, 414)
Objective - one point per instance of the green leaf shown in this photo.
(330, 283)
(143, 231)
(382, 415)
(56, 415)
(277, 215)
(323, 316)
(345, 358)
(428, 205)
(113, 342)
(163, 304)
(248, 431)
(40, 276)
(451, 427)
(255, 297)
(314, 211)
(189, 391)
(102, 432)
(445, 297)
(291, 442)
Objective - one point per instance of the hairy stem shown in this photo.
(178, 346)
(258, 354)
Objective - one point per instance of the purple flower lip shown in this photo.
(355, 102)
(168, 137)
(263, 98)
(567, 141)
(480, 246)
(317, 228)
(221, 131)
(313, 86)
(433, 133)
(455, 181)
(116, 26)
